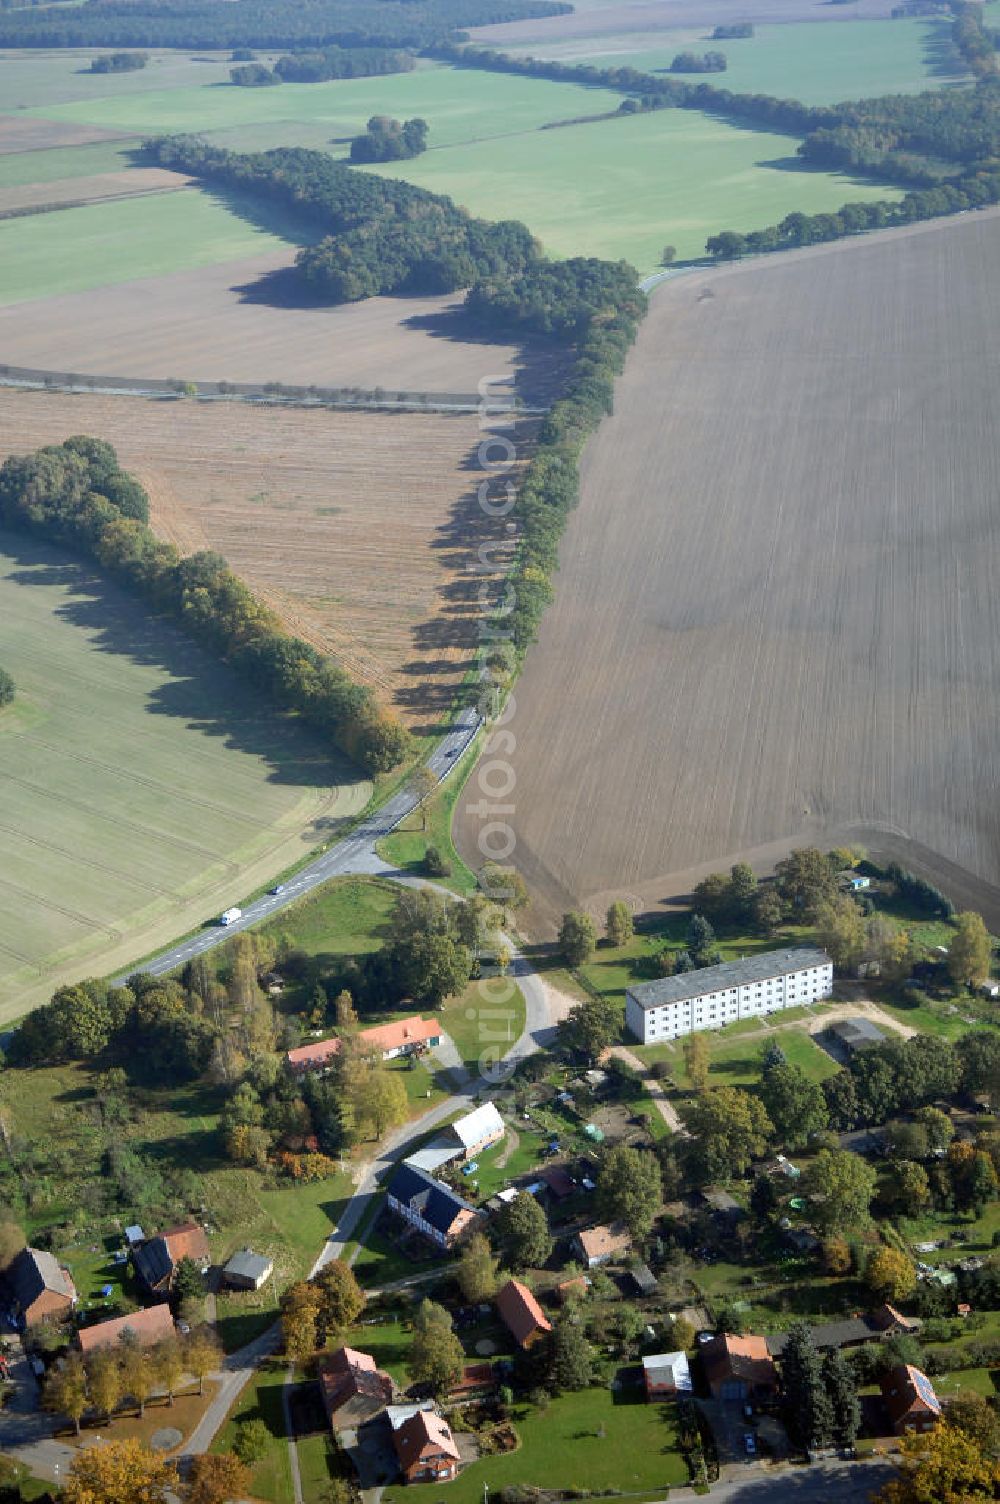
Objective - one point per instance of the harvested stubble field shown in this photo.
(357, 528)
(195, 326)
(140, 784)
(777, 605)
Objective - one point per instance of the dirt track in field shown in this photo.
(199, 325)
(357, 528)
(29, 133)
(91, 190)
(777, 615)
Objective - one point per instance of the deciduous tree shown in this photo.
(118, 1472)
(697, 1057)
(890, 1275)
(795, 1105)
(728, 1129)
(970, 951)
(590, 1027)
(840, 1187)
(477, 1270)
(577, 937)
(436, 1355)
(64, 1391)
(618, 925)
(216, 1477)
(522, 1233)
(629, 1188)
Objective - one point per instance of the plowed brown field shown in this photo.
(778, 611)
(195, 326)
(28, 133)
(356, 527)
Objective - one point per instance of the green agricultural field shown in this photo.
(816, 64)
(460, 106)
(18, 168)
(39, 80)
(117, 241)
(629, 186)
(141, 789)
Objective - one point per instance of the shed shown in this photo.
(134, 1235)
(247, 1270)
(644, 1279)
(666, 1374)
(857, 1034)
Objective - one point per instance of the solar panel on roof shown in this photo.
(924, 1388)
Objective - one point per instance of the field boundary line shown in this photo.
(262, 394)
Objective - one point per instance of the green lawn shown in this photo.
(458, 105)
(123, 239)
(431, 826)
(628, 186)
(272, 1475)
(346, 916)
(139, 781)
(815, 64)
(480, 1025)
(580, 1441)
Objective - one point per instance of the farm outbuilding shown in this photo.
(247, 1270)
(666, 1374)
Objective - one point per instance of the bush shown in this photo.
(8, 688)
(435, 864)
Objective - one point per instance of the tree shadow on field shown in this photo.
(539, 365)
(202, 693)
(941, 57)
(474, 551)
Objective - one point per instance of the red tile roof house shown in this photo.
(910, 1399)
(157, 1259)
(354, 1389)
(40, 1288)
(739, 1368)
(521, 1314)
(406, 1036)
(426, 1448)
(146, 1327)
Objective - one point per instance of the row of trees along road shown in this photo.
(76, 495)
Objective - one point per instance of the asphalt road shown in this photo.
(355, 853)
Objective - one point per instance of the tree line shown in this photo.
(976, 191)
(382, 236)
(76, 495)
(323, 65)
(708, 62)
(596, 307)
(260, 23)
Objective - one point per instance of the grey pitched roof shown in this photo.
(33, 1271)
(248, 1265)
(759, 968)
(437, 1204)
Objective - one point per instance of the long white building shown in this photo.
(719, 995)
